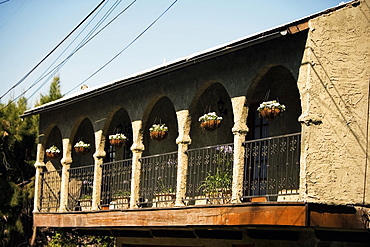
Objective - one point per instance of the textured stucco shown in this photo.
(334, 87)
(321, 73)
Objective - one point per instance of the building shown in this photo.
(298, 180)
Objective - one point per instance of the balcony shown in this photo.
(271, 172)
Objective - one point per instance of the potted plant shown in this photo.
(121, 199)
(271, 109)
(82, 148)
(158, 131)
(53, 152)
(210, 121)
(217, 186)
(165, 197)
(117, 140)
(85, 202)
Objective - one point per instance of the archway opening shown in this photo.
(213, 99)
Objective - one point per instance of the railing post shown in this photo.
(137, 149)
(39, 166)
(98, 161)
(66, 162)
(182, 141)
(239, 130)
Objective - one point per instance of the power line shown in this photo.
(119, 53)
(24, 77)
(60, 65)
(13, 12)
(86, 40)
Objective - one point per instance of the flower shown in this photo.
(209, 116)
(159, 127)
(225, 149)
(53, 149)
(82, 144)
(118, 136)
(271, 104)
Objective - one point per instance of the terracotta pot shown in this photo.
(211, 124)
(158, 135)
(117, 142)
(270, 113)
(52, 155)
(82, 150)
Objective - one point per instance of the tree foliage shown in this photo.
(17, 158)
(54, 92)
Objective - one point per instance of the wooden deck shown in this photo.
(246, 214)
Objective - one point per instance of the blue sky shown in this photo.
(31, 29)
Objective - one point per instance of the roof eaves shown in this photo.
(180, 62)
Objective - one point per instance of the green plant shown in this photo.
(209, 116)
(82, 144)
(86, 197)
(271, 105)
(162, 187)
(121, 193)
(159, 127)
(53, 149)
(220, 182)
(118, 136)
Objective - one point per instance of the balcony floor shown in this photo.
(297, 214)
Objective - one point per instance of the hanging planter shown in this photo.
(53, 152)
(210, 121)
(117, 140)
(271, 109)
(82, 147)
(158, 131)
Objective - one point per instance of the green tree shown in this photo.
(17, 158)
(54, 92)
(17, 155)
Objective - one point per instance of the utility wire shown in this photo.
(52, 72)
(137, 37)
(13, 12)
(24, 77)
(56, 68)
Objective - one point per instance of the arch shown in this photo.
(118, 122)
(53, 137)
(84, 132)
(162, 111)
(275, 83)
(212, 97)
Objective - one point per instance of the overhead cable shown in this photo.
(52, 72)
(119, 53)
(82, 44)
(24, 77)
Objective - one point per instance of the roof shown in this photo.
(285, 29)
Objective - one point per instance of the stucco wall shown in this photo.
(334, 86)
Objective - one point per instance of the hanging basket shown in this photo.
(158, 135)
(52, 155)
(117, 142)
(270, 113)
(82, 150)
(210, 124)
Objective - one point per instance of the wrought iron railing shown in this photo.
(209, 175)
(158, 180)
(272, 166)
(116, 184)
(50, 191)
(80, 188)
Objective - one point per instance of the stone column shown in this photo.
(182, 141)
(137, 149)
(98, 161)
(239, 130)
(39, 164)
(66, 162)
